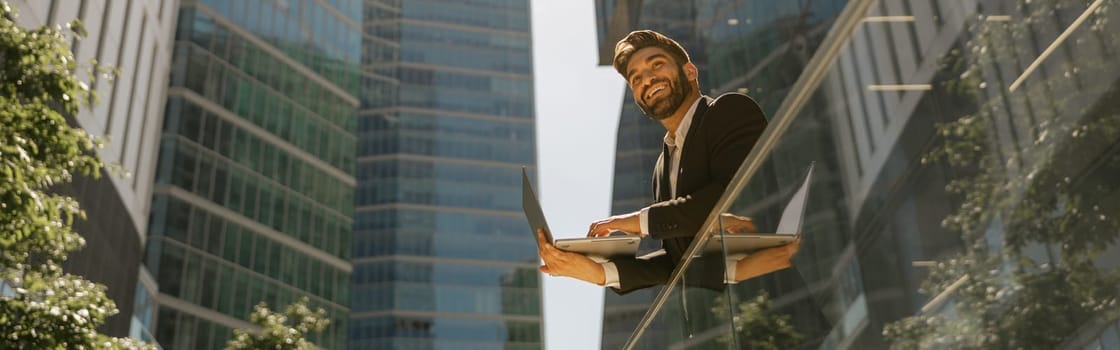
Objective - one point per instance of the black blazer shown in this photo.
(720, 136)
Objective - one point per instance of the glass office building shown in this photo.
(441, 251)
(253, 193)
(964, 195)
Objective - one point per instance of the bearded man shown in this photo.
(706, 140)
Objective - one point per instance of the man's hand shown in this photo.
(630, 224)
(737, 224)
(766, 261)
(561, 263)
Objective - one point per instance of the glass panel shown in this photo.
(676, 321)
(702, 307)
(963, 191)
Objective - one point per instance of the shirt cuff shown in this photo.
(729, 271)
(611, 275)
(643, 219)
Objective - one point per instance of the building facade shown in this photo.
(253, 194)
(134, 37)
(440, 251)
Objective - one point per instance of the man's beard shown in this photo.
(664, 107)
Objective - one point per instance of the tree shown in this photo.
(280, 331)
(756, 326)
(1034, 216)
(42, 307)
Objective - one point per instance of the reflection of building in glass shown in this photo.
(970, 203)
(442, 258)
(884, 101)
(1044, 158)
(752, 47)
(136, 39)
(253, 193)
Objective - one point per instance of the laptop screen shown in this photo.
(793, 214)
(532, 207)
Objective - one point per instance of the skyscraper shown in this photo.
(134, 37)
(442, 254)
(253, 193)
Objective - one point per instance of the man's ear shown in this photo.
(690, 71)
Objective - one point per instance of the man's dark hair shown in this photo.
(640, 39)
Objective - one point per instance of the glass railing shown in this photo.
(959, 166)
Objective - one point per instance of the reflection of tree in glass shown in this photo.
(756, 327)
(1034, 216)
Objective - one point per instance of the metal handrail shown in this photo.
(802, 90)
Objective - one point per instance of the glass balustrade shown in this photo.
(964, 191)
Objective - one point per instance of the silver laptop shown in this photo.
(789, 227)
(599, 249)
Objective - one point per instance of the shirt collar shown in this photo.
(677, 140)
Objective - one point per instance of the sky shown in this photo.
(577, 105)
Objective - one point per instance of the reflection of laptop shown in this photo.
(599, 249)
(789, 227)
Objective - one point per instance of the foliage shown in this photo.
(1032, 218)
(756, 326)
(280, 331)
(42, 307)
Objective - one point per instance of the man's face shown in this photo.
(658, 82)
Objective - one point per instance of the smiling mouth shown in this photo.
(654, 91)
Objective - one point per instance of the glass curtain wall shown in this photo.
(254, 187)
(965, 196)
(443, 258)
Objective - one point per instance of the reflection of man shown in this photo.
(705, 143)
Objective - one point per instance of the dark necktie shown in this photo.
(664, 187)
